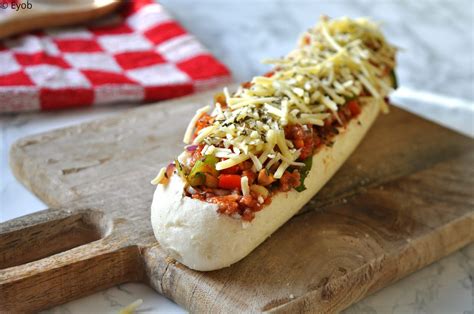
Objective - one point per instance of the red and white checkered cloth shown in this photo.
(145, 56)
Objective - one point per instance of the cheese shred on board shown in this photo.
(263, 133)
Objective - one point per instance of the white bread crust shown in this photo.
(195, 234)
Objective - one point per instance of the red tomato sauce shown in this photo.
(228, 195)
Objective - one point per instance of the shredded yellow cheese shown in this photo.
(231, 162)
(159, 176)
(130, 309)
(202, 134)
(334, 61)
(244, 184)
(281, 169)
(190, 129)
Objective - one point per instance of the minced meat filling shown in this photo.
(229, 197)
(259, 140)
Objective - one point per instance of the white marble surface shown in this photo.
(438, 41)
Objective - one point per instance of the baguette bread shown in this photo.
(267, 149)
(195, 234)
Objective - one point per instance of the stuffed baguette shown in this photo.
(267, 149)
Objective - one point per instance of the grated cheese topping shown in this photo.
(244, 185)
(159, 176)
(189, 130)
(132, 307)
(334, 61)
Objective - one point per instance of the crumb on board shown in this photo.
(130, 309)
(170, 260)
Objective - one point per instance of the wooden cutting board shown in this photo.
(403, 200)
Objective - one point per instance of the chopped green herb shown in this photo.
(308, 163)
(202, 169)
(179, 169)
(197, 179)
(394, 79)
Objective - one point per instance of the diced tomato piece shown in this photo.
(232, 170)
(307, 40)
(354, 107)
(269, 74)
(229, 181)
(247, 84)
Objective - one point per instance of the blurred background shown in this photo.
(435, 71)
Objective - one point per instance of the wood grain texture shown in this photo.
(403, 200)
(26, 244)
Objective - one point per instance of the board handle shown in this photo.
(54, 256)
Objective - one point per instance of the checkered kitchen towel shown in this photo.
(145, 56)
